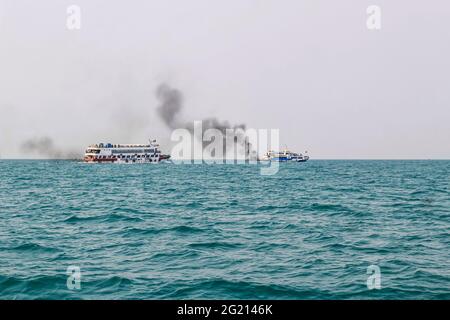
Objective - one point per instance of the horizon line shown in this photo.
(315, 159)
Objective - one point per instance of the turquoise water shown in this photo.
(224, 231)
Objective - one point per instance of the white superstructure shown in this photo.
(124, 153)
(285, 156)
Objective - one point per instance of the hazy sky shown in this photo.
(310, 68)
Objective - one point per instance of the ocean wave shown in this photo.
(33, 287)
(105, 217)
(233, 289)
(220, 245)
(153, 231)
(31, 247)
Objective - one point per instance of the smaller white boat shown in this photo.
(284, 156)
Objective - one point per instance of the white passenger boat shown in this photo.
(124, 153)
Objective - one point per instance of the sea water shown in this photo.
(314, 230)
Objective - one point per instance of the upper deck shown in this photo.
(113, 151)
(109, 145)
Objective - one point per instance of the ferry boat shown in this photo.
(285, 156)
(124, 153)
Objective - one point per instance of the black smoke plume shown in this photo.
(45, 147)
(171, 104)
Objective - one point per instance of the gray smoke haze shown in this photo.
(352, 95)
(171, 104)
(45, 147)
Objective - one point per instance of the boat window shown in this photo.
(125, 150)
